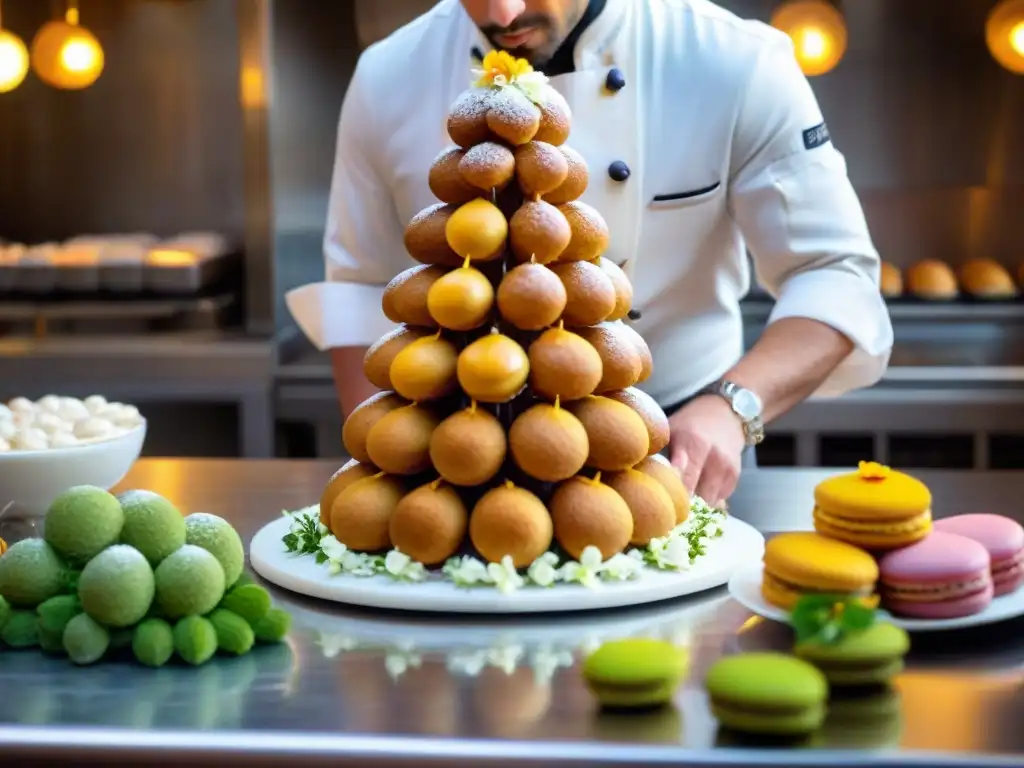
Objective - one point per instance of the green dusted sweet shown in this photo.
(189, 581)
(195, 639)
(153, 642)
(273, 628)
(216, 536)
(31, 572)
(117, 586)
(50, 641)
(250, 601)
(244, 579)
(152, 524)
(55, 613)
(21, 630)
(5, 611)
(84, 640)
(234, 635)
(82, 522)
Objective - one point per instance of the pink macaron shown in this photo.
(943, 576)
(1004, 540)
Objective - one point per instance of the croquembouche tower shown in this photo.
(508, 421)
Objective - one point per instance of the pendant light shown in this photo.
(13, 59)
(1004, 34)
(65, 54)
(818, 31)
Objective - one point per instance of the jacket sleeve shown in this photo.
(801, 219)
(363, 240)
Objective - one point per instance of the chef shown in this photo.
(703, 140)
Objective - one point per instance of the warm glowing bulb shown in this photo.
(77, 56)
(13, 61)
(818, 32)
(813, 43)
(1017, 38)
(66, 55)
(1004, 35)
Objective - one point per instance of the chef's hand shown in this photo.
(707, 441)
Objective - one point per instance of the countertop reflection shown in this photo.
(359, 687)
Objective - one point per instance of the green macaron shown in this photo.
(767, 694)
(635, 673)
(871, 657)
(865, 718)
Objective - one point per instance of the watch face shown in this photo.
(746, 404)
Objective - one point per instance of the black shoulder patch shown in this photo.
(816, 136)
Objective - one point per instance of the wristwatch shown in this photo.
(745, 404)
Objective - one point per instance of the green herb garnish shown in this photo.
(828, 619)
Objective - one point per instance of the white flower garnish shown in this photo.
(397, 663)
(467, 572)
(547, 660)
(499, 81)
(587, 571)
(469, 663)
(332, 645)
(504, 575)
(622, 567)
(534, 86)
(403, 567)
(332, 548)
(505, 657)
(543, 571)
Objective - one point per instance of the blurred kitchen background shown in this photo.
(206, 145)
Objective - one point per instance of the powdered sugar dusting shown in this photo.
(513, 116)
(488, 165)
(471, 105)
(119, 558)
(576, 180)
(589, 232)
(540, 167)
(204, 524)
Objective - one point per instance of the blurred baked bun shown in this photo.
(932, 279)
(892, 281)
(986, 279)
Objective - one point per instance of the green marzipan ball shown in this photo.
(274, 627)
(234, 635)
(195, 639)
(82, 522)
(153, 642)
(85, 640)
(117, 586)
(55, 613)
(250, 601)
(5, 611)
(21, 630)
(189, 581)
(31, 572)
(50, 641)
(152, 524)
(216, 536)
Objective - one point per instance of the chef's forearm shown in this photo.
(349, 380)
(789, 362)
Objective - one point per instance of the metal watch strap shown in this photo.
(753, 429)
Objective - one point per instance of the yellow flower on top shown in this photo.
(500, 68)
(872, 470)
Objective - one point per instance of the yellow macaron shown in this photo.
(876, 508)
(800, 563)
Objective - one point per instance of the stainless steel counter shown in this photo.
(362, 688)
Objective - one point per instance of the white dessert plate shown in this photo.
(739, 544)
(745, 587)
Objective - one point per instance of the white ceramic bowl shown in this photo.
(31, 480)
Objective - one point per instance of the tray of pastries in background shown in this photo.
(931, 280)
(125, 265)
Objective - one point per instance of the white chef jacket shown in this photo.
(727, 151)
